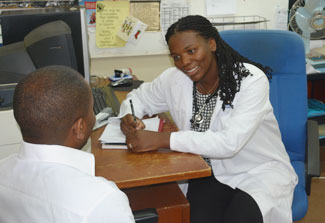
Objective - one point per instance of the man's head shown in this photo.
(54, 105)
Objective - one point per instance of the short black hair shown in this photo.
(230, 62)
(49, 100)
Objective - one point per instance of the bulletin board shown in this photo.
(152, 40)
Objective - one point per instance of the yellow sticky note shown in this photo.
(109, 17)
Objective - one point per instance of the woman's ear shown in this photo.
(213, 44)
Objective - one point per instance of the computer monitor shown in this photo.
(30, 42)
(17, 24)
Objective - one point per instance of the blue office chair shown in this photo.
(283, 52)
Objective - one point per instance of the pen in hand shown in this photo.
(132, 109)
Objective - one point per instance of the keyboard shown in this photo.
(99, 99)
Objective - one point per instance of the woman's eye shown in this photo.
(176, 58)
(191, 51)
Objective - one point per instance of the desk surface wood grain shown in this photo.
(128, 169)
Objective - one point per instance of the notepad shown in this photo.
(113, 137)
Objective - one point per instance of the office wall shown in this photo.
(150, 66)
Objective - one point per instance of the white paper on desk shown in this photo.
(113, 137)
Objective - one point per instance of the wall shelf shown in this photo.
(239, 22)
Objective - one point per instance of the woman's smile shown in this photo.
(192, 71)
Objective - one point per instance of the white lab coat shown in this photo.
(244, 143)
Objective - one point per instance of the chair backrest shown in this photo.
(283, 52)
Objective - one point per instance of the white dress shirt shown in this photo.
(51, 183)
(243, 143)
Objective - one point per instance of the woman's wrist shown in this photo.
(164, 139)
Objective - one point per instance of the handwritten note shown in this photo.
(109, 17)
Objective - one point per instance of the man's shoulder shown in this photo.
(81, 191)
(84, 181)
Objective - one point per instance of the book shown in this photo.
(113, 137)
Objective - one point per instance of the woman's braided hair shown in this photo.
(230, 62)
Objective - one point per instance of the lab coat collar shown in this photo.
(78, 159)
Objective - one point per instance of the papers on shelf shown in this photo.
(113, 137)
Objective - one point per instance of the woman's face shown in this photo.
(194, 55)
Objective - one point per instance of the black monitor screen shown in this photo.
(16, 24)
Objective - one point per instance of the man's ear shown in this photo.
(213, 44)
(78, 129)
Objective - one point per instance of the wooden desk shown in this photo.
(128, 169)
(134, 172)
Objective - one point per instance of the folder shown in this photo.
(113, 137)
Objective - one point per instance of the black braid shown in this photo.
(230, 62)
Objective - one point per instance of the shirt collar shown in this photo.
(78, 159)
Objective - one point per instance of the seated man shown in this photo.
(51, 179)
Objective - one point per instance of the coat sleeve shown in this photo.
(149, 98)
(238, 125)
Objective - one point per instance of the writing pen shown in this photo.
(132, 109)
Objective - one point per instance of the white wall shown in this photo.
(148, 67)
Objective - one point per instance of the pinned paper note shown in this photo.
(131, 29)
(109, 17)
(90, 6)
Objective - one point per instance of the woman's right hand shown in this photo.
(128, 124)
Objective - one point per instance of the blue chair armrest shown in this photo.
(313, 153)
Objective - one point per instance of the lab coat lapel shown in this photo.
(216, 111)
(181, 100)
(186, 102)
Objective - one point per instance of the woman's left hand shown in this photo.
(143, 140)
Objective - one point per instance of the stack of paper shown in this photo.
(113, 137)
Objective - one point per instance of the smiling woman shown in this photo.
(195, 56)
(219, 101)
(201, 40)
